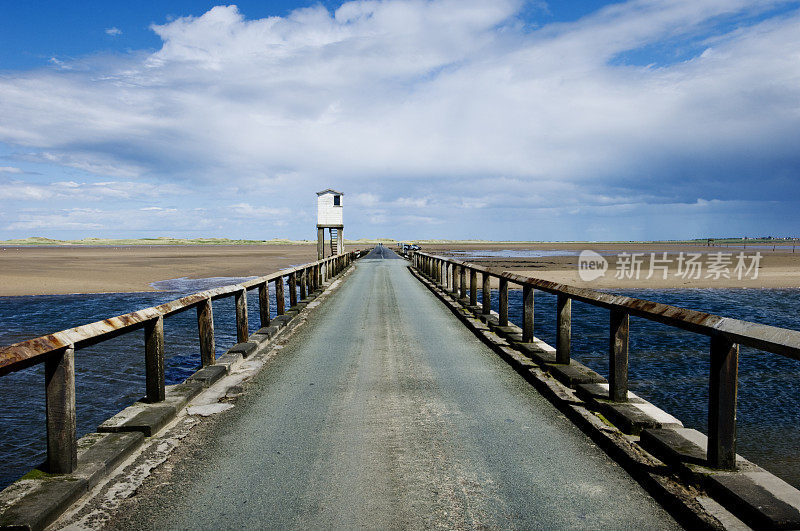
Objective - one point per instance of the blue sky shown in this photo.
(589, 120)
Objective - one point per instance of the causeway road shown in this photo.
(384, 411)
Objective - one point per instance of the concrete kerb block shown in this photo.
(280, 321)
(490, 319)
(100, 453)
(536, 352)
(516, 359)
(631, 419)
(632, 416)
(552, 389)
(41, 506)
(507, 331)
(268, 331)
(476, 325)
(573, 374)
(675, 446)
(759, 498)
(258, 339)
(208, 375)
(180, 394)
(591, 392)
(50, 496)
(149, 419)
(245, 348)
(231, 360)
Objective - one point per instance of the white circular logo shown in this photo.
(591, 265)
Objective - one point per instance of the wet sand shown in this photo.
(59, 270)
(776, 269)
(74, 269)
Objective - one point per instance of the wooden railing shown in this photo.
(57, 351)
(726, 335)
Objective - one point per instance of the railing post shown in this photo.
(154, 359)
(292, 290)
(503, 321)
(473, 287)
(527, 313)
(59, 381)
(618, 356)
(462, 282)
(303, 275)
(723, 383)
(205, 329)
(451, 274)
(263, 303)
(242, 334)
(486, 293)
(563, 329)
(280, 300)
(456, 278)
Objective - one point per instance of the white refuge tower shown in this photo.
(329, 216)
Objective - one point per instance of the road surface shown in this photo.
(384, 411)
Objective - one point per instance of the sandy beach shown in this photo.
(59, 270)
(775, 269)
(43, 270)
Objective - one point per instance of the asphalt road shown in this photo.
(379, 252)
(385, 412)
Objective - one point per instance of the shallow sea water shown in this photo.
(110, 375)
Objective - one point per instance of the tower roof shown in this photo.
(329, 191)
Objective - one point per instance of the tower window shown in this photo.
(337, 200)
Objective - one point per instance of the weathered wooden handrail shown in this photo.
(726, 335)
(57, 350)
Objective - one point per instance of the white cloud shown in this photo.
(435, 104)
(113, 31)
(364, 199)
(248, 211)
(10, 169)
(20, 190)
